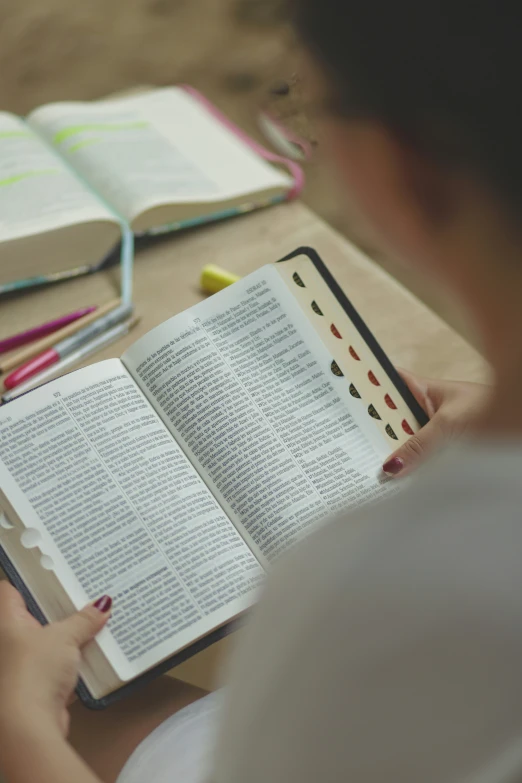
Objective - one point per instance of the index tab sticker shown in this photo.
(336, 369)
(30, 538)
(389, 402)
(390, 432)
(406, 427)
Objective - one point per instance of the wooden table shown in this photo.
(166, 282)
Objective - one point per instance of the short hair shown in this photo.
(444, 74)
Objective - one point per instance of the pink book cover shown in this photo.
(294, 169)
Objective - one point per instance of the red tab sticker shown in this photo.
(389, 402)
(335, 331)
(373, 379)
(353, 353)
(406, 427)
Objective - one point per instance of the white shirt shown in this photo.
(388, 648)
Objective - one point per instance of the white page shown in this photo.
(245, 384)
(152, 149)
(87, 463)
(37, 190)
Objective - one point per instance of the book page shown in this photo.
(245, 385)
(88, 466)
(38, 192)
(155, 148)
(370, 386)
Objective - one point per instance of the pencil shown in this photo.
(46, 342)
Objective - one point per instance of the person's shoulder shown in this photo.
(388, 628)
(459, 515)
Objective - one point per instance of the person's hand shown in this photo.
(39, 665)
(452, 407)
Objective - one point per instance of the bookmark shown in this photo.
(126, 263)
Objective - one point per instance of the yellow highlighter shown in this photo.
(214, 278)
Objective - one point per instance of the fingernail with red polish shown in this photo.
(393, 466)
(103, 604)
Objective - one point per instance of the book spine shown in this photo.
(212, 217)
(294, 169)
(33, 282)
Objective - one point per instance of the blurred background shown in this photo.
(241, 53)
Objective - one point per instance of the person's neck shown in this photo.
(483, 268)
(502, 413)
(497, 307)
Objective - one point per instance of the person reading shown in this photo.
(387, 646)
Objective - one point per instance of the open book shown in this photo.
(70, 173)
(172, 478)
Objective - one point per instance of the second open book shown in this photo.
(71, 174)
(172, 478)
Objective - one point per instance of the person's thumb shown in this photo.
(408, 456)
(83, 626)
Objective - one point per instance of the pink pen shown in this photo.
(66, 346)
(41, 331)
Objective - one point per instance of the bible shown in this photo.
(173, 477)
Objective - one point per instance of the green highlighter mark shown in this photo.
(86, 143)
(14, 134)
(66, 133)
(26, 175)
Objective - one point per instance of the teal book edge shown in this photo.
(212, 217)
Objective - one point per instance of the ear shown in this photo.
(406, 199)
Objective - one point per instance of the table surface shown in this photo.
(166, 282)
